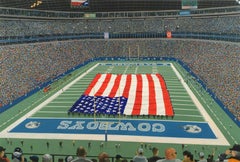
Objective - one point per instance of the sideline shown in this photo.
(204, 113)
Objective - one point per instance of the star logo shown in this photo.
(32, 125)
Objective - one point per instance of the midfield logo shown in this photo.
(111, 126)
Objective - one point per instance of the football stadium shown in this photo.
(117, 79)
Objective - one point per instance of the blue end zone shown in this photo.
(154, 128)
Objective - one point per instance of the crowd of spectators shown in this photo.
(170, 154)
(210, 25)
(25, 67)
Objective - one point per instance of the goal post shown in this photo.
(132, 50)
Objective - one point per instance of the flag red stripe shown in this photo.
(152, 109)
(104, 85)
(92, 84)
(127, 86)
(166, 97)
(115, 86)
(138, 97)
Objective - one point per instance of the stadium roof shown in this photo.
(113, 5)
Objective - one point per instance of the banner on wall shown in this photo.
(169, 34)
(106, 35)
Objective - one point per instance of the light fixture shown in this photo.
(37, 3)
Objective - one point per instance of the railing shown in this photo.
(61, 158)
(46, 38)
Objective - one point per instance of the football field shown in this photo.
(197, 118)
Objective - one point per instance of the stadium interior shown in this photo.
(53, 51)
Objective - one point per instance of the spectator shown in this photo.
(3, 157)
(139, 156)
(68, 158)
(103, 157)
(17, 155)
(81, 155)
(170, 156)
(231, 155)
(211, 156)
(201, 157)
(34, 158)
(118, 158)
(187, 156)
(155, 156)
(47, 158)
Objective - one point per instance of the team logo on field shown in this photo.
(192, 128)
(32, 125)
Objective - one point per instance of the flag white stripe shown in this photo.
(97, 85)
(122, 85)
(110, 85)
(159, 96)
(131, 96)
(145, 95)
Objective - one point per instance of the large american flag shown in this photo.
(129, 94)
